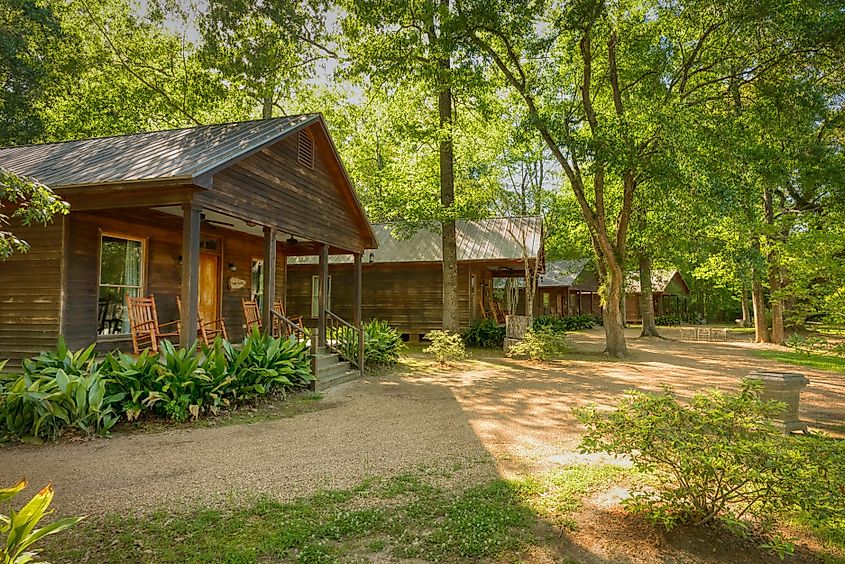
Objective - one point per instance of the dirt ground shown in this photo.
(491, 416)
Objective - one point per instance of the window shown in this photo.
(121, 275)
(315, 296)
(257, 291)
(305, 149)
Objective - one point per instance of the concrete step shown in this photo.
(343, 377)
(329, 370)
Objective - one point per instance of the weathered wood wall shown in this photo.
(31, 293)
(408, 296)
(272, 188)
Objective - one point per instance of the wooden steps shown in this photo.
(331, 370)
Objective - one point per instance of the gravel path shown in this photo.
(491, 416)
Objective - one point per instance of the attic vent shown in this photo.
(305, 151)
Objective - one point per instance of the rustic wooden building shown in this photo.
(199, 213)
(403, 279)
(570, 287)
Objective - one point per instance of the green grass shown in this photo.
(405, 516)
(813, 360)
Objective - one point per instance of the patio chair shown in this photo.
(207, 331)
(280, 309)
(498, 313)
(481, 308)
(252, 315)
(144, 327)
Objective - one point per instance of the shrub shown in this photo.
(667, 320)
(486, 334)
(558, 324)
(805, 345)
(19, 526)
(445, 346)
(382, 344)
(720, 457)
(539, 345)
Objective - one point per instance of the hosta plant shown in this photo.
(18, 532)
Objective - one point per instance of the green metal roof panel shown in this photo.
(158, 155)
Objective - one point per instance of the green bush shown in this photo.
(806, 345)
(485, 334)
(58, 390)
(445, 346)
(718, 458)
(382, 343)
(539, 345)
(558, 324)
(667, 320)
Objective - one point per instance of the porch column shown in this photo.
(322, 298)
(190, 274)
(356, 310)
(269, 281)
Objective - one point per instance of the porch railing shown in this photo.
(284, 327)
(345, 340)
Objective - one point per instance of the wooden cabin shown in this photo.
(199, 213)
(403, 279)
(668, 290)
(570, 287)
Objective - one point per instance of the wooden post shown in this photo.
(269, 296)
(356, 310)
(322, 299)
(190, 274)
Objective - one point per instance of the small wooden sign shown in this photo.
(237, 283)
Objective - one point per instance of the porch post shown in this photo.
(190, 274)
(322, 298)
(356, 310)
(269, 282)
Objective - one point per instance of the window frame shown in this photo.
(143, 273)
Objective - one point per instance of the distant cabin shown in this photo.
(570, 287)
(403, 278)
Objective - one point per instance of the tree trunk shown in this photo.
(451, 318)
(746, 315)
(647, 299)
(776, 302)
(267, 108)
(612, 315)
(761, 327)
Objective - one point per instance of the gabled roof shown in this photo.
(562, 272)
(176, 154)
(494, 239)
(660, 280)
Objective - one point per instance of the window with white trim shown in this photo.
(121, 275)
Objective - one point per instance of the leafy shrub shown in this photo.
(539, 345)
(445, 346)
(486, 334)
(720, 457)
(558, 324)
(666, 320)
(805, 345)
(382, 343)
(19, 526)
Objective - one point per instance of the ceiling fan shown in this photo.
(215, 221)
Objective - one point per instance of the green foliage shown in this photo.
(34, 203)
(56, 391)
(805, 345)
(382, 343)
(564, 324)
(445, 346)
(19, 527)
(720, 457)
(539, 345)
(486, 334)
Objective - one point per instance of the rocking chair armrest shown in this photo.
(206, 323)
(169, 323)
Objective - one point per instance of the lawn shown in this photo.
(826, 362)
(405, 516)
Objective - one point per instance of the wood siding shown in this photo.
(272, 188)
(31, 293)
(407, 296)
(162, 233)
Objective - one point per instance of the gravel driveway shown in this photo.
(489, 416)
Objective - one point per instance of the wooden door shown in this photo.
(209, 291)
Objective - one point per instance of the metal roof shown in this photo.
(562, 272)
(660, 280)
(177, 154)
(499, 238)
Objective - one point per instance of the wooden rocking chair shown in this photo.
(144, 326)
(252, 315)
(481, 307)
(207, 330)
(280, 309)
(498, 313)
